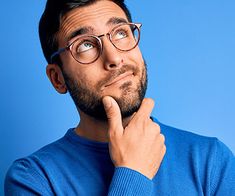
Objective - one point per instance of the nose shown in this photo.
(111, 56)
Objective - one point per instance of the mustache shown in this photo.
(115, 73)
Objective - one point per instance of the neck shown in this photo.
(94, 129)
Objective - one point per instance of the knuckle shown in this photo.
(162, 137)
(112, 134)
(149, 101)
(115, 131)
(156, 128)
(164, 150)
(111, 113)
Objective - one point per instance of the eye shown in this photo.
(84, 46)
(120, 34)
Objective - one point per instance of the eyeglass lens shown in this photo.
(87, 49)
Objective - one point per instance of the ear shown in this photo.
(56, 77)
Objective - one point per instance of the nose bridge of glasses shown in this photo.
(105, 35)
(104, 43)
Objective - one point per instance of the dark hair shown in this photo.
(50, 22)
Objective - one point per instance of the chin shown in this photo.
(129, 104)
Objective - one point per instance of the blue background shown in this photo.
(189, 47)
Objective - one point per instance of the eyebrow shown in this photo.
(116, 20)
(80, 31)
(89, 29)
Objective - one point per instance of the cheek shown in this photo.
(68, 63)
(87, 75)
(136, 55)
(88, 78)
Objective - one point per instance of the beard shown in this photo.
(89, 99)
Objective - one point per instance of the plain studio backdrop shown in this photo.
(189, 47)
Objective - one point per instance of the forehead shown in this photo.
(95, 16)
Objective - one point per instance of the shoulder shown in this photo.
(24, 176)
(188, 143)
(182, 137)
(204, 158)
(29, 174)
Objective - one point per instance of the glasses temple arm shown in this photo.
(57, 53)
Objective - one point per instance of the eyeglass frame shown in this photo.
(69, 46)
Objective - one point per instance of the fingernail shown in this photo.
(107, 102)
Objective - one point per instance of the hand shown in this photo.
(140, 145)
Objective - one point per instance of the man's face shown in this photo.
(119, 74)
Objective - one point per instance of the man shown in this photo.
(117, 148)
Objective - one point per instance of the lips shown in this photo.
(119, 78)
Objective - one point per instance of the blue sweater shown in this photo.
(193, 165)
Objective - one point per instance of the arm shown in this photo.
(136, 150)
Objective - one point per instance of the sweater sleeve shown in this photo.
(126, 182)
(22, 179)
(223, 176)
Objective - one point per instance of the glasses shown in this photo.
(86, 49)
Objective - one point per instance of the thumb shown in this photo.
(113, 114)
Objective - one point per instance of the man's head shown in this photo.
(119, 69)
(51, 19)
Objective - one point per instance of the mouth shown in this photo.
(120, 78)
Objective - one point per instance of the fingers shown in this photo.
(113, 114)
(145, 108)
